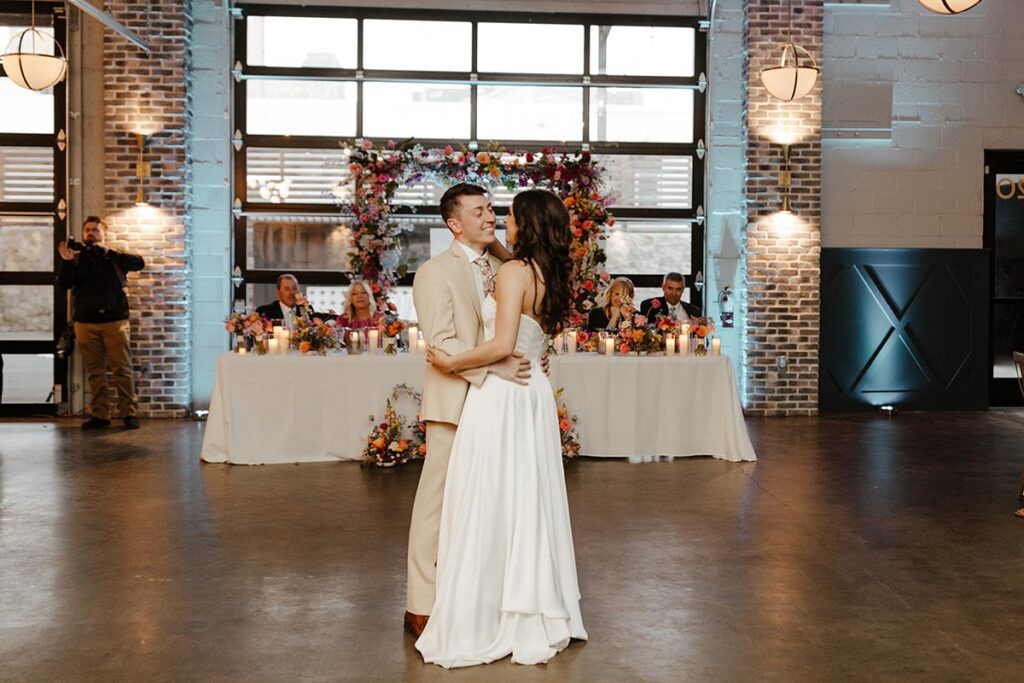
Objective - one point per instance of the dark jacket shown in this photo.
(597, 320)
(272, 311)
(96, 285)
(647, 304)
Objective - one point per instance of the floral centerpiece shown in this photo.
(567, 428)
(312, 334)
(248, 326)
(387, 444)
(392, 327)
(700, 329)
(640, 337)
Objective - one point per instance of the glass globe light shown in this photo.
(794, 77)
(29, 65)
(949, 6)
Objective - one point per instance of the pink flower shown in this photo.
(639, 320)
(366, 144)
(656, 304)
(448, 150)
(605, 276)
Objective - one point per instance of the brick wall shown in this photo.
(146, 93)
(782, 254)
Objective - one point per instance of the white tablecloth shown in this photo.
(286, 409)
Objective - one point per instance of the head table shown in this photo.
(304, 408)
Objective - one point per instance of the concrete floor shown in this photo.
(856, 549)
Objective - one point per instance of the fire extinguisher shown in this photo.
(726, 306)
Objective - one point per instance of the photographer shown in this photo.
(95, 274)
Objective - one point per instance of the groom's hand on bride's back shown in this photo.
(513, 368)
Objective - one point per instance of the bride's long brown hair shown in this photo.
(543, 242)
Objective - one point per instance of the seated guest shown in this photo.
(360, 309)
(286, 307)
(672, 304)
(617, 306)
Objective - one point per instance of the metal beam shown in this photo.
(111, 23)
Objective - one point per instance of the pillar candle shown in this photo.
(277, 331)
(414, 335)
(240, 351)
(284, 340)
(374, 340)
(421, 346)
(572, 342)
(272, 346)
(716, 347)
(558, 342)
(609, 347)
(353, 343)
(670, 346)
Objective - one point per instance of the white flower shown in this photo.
(393, 446)
(389, 259)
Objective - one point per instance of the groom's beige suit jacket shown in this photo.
(448, 310)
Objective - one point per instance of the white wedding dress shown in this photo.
(506, 570)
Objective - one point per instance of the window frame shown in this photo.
(45, 12)
(242, 72)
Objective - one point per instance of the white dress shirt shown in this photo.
(478, 277)
(289, 316)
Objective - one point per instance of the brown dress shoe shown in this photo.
(415, 623)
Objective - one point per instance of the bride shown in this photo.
(506, 570)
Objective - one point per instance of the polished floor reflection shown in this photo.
(857, 548)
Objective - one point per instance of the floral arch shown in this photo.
(376, 173)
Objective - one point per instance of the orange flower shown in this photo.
(423, 449)
(495, 172)
(638, 335)
(569, 201)
(378, 443)
(564, 425)
(304, 347)
(402, 445)
(483, 158)
(624, 348)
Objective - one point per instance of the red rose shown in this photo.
(588, 285)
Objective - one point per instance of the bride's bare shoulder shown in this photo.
(515, 271)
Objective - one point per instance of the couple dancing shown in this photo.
(491, 508)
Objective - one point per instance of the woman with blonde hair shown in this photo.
(618, 306)
(359, 310)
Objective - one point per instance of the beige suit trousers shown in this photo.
(103, 346)
(426, 519)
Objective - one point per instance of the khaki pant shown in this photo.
(103, 345)
(426, 519)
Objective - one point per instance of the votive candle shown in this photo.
(241, 351)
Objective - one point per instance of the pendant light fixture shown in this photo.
(28, 61)
(796, 73)
(949, 6)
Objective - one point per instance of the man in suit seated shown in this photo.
(672, 304)
(286, 307)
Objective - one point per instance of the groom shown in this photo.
(447, 292)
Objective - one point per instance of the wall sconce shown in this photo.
(143, 170)
(785, 179)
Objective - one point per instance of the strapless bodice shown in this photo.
(531, 341)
